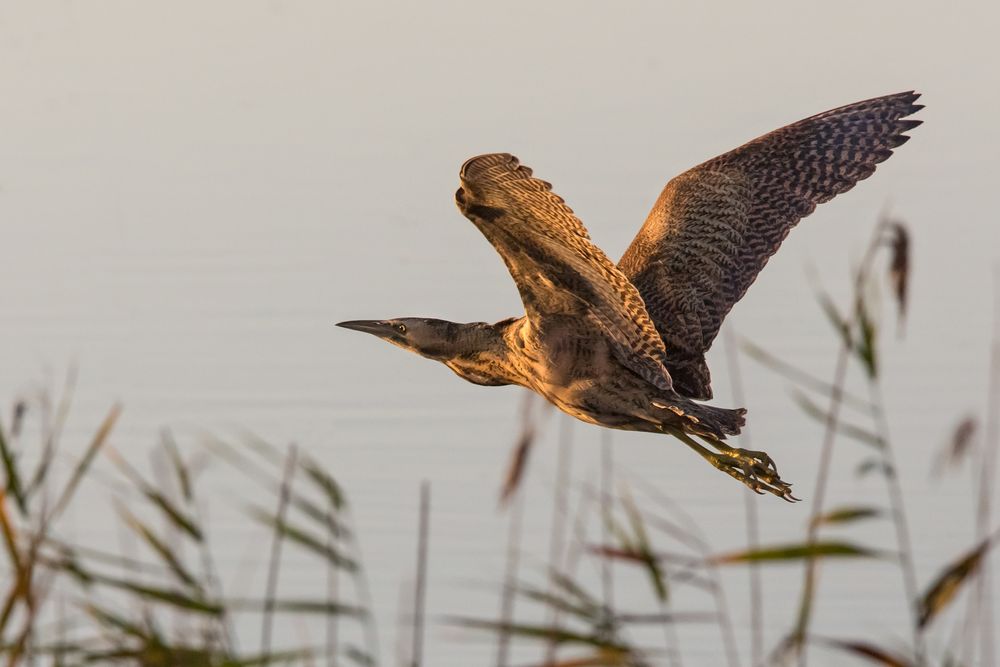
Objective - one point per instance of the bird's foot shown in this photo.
(747, 455)
(755, 469)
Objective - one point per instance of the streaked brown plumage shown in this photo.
(558, 271)
(623, 346)
(714, 227)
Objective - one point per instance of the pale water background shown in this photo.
(191, 194)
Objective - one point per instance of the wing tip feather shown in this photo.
(898, 140)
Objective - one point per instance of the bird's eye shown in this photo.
(401, 328)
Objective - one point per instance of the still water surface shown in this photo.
(191, 196)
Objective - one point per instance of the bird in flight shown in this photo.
(623, 346)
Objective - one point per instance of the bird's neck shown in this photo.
(481, 353)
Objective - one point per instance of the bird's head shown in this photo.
(427, 337)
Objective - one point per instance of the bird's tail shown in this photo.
(703, 419)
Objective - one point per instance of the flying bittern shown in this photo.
(624, 346)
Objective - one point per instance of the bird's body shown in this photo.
(622, 346)
(580, 374)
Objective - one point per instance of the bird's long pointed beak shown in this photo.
(374, 327)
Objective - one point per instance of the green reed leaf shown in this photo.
(793, 552)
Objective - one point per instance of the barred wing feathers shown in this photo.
(558, 271)
(714, 227)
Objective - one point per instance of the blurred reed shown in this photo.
(73, 604)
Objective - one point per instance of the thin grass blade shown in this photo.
(13, 486)
(556, 635)
(870, 652)
(295, 606)
(325, 482)
(161, 549)
(867, 343)
(180, 468)
(112, 620)
(359, 657)
(155, 594)
(568, 606)
(793, 552)
(840, 323)
(642, 548)
(873, 465)
(848, 514)
(564, 583)
(801, 378)
(176, 516)
(853, 431)
(303, 539)
(84, 465)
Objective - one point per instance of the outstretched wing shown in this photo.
(714, 227)
(558, 271)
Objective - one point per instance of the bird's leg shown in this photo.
(755, 469)
(744, 455)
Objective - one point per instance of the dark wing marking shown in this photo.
(714, 227)
(558, 271)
